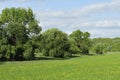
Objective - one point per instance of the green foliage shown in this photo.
(99, 49)
(81, 40)
(73, 48)
(20, 38)
(110, 44)
(67, 54)
(29, 51)
(28, 54)
(18, 26)
(19, 54)
(55, 43)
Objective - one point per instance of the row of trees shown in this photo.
(58, 44)
(106, 44)
(21, 37)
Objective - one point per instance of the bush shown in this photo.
(28, 55)
(99, 49)
(74, 49)
(55, 43)
(29, 51)
(67, 54)
(81, 41)
(85, 51)
(19, 53)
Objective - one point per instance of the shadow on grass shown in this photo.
(39, 58)
(47, 58)
(2, 62)
(90, 54)
(52, 58)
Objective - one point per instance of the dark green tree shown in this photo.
(17, 27)
(81, 40)
(55, 43)
(99, 48)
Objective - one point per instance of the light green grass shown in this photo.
(103, 67)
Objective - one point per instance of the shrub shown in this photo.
(29, 51)
(99, 49)
(55, 43)
(28, 55)
(74, 49)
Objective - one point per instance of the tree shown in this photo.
(55, 43)
(17, 27)
(99, 49)
(81, 40)
(110, 44)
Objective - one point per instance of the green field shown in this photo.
(97, 67)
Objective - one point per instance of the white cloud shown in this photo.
(99, 7)
(84, 11)
(49, 14)
(102, 24)
(81, 18)
(2, 0)
(105, 33)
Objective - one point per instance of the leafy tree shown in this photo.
(81, 40)
(55, 43)
(73, 47)
(99, 49)
(17, 27)
(29, 51)
(110, 44)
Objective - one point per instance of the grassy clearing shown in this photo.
(103, 67)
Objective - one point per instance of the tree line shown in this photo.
(21, 38)
(106, 44)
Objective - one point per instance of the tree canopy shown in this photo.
(81, 40)
(18, 26)
(55, 43)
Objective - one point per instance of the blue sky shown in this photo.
(99, 17)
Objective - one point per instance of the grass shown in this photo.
(102, 67)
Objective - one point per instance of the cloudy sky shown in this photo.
(99, 17)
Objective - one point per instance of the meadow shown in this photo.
(94, 67)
